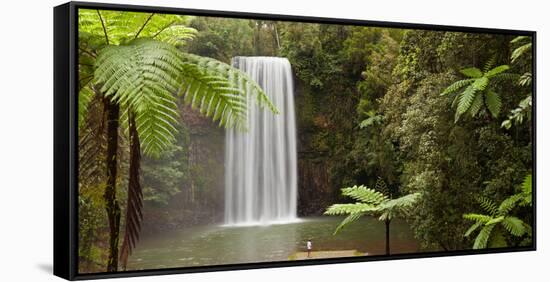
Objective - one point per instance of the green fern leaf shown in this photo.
(349, 219)
(480, 84)
(477, 217)
(237, 78)
(514, 225)
(492, 100)
(490, 63)
(495, 220)
(140, 77)
(518, 52)
(497, 70)
(525, 79)
(488, 205)
(341, 209)
(456, 86)
(466, 99)
(472, 228)
(381, 187)
(520, 38)
(527, 190)
(476, 105)
(509, 203)
(472, 72)
(483, 237)
(364, 194)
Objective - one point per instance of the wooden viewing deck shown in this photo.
(326, 254)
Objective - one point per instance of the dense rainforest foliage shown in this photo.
(443, 117)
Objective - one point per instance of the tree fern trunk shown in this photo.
(134, 207)
(387, 222)
(111, 203)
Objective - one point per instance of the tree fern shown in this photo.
(371, 202)
(131, 60)
(499, 216)
(479, 87)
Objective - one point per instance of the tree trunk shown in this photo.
(387, 222)
(111, 203)
(134, 205)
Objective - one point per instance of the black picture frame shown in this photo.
(66, 150)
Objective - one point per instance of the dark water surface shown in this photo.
(216, 245)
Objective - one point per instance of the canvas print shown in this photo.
(209, 141)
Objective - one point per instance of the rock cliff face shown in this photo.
(317, 145)
(314, 191)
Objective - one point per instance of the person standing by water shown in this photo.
(308, 247)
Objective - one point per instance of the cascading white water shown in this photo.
(261, 163)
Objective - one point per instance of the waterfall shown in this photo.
(260, 164)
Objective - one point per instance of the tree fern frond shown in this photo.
(483, 237)
(509, 203)
(477, 217)
(489, 64)
(215, 96)
(527, 189)
(497, 78)
(401, 202)
(176, 34)
(382, 187)
(473, 228)
(520, 38)
(518, 52)
(492, 100)
(466, 99)
(122, 26)
(514, 225)
(497, 70)
(342, 209)
(488, 205)
(456, 86)
(476, 105)
(480, 84)
(472, 72)
(364, 194)
(141, 76)
(349, 219)
(525, 79)
(234, 76)
(495, 220)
